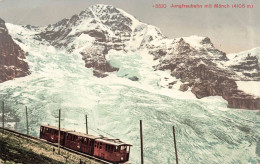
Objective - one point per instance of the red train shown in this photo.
(112, 150)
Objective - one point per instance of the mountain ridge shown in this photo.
(193, 60)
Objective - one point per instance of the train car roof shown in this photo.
(83, 135)
(115, 142)
(71, 132)
(56, 128)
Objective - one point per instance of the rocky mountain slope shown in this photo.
(246, 63)
(12, 57)
(194, 60)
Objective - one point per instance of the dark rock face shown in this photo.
(134, 78)
(214, 84)
(184, 87)
(198, 70)
(94, 57)
(12, 64)
(247, 65)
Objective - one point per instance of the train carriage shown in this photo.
(51, 133)
(112, 150)
(80, 142)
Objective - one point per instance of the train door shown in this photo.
(63, 135)
(91, 144)
(102, 155)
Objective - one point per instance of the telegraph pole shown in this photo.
(27, 123)
(141, 137)
(3, 117)
(86, 124)
(175, 146)
(59, 135)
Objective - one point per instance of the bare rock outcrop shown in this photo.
(12, 64)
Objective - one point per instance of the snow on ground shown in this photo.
(194, 41)
(250, 87)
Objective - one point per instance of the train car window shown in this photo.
(123, 147)
(127, 149)
(100, 145)
(116, 149)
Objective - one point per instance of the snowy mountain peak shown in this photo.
(108, 12)
(246, 63)
(197, 41)
(101, 31)
(109, 15)
(255, 52)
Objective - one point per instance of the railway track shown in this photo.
(55, 145)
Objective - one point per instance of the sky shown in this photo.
(230, 29)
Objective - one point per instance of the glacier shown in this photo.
(206, 130)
